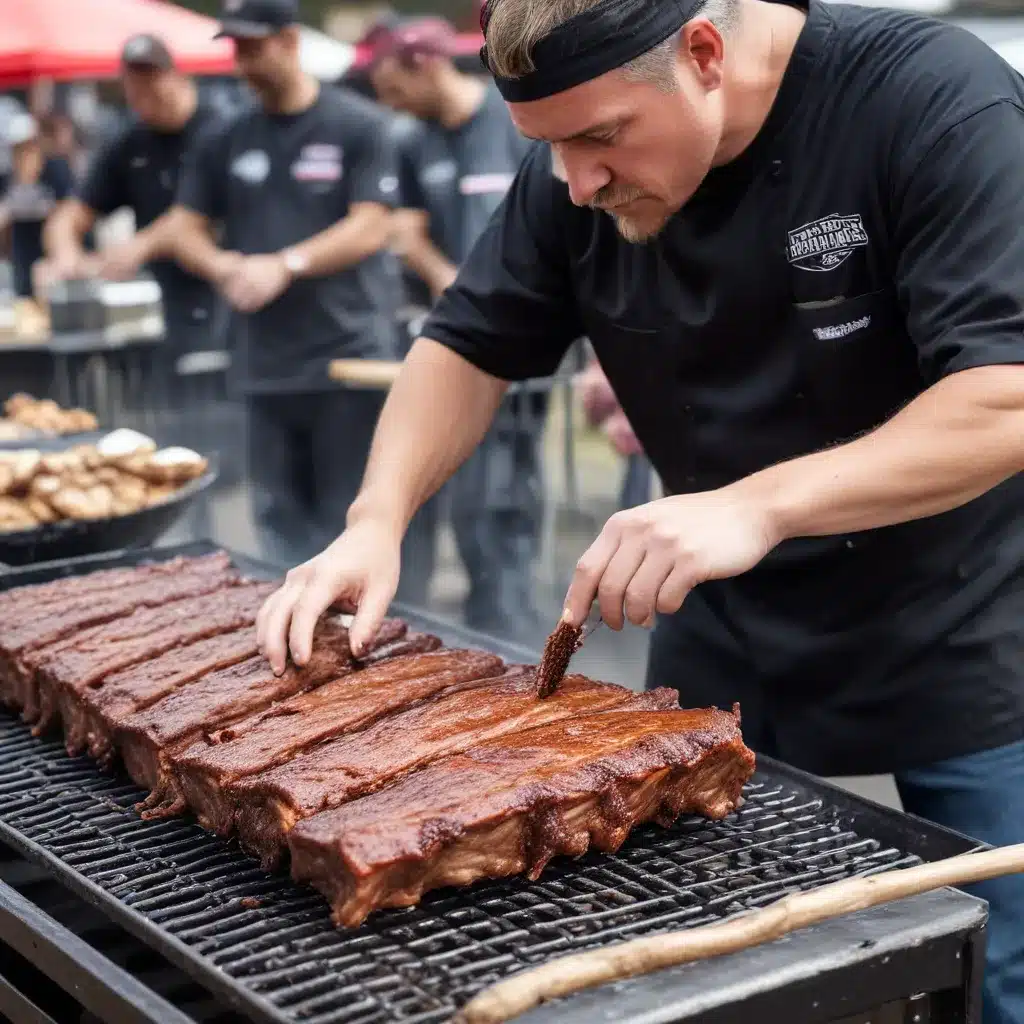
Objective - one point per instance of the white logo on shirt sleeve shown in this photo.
(388, 184)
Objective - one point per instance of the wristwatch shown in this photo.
(295, 262)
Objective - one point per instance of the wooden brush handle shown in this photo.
(508, 999)
(373, 373)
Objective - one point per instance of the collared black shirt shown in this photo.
(273, 181)
(866, 245)
(139, 168)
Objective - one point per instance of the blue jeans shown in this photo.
(982, 796)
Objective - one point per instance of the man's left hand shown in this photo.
(257, 282)
(647, 559)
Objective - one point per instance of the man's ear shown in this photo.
(701, 45)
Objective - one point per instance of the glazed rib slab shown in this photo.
(269, 804)
(28, 630)
(508, 806)
(66, 670)
(410, 768)
(205, 769)
(148, 739)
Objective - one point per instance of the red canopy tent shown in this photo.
(75, 39)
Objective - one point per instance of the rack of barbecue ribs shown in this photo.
(379, 778)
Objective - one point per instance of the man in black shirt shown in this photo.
(457, 160)
(301, 184)
(139, 169)
(793, 238)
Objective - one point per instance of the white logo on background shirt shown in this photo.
(826, 243)
(252, 167)
(388, 184)
(138, 162)
(439, 173)
(485, 184)
(318, 162)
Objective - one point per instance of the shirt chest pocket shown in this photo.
(857, 364)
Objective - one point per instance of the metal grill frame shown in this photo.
(928, 943)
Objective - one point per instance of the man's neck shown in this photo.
(461, 98)
(761, 50)
(300, 95)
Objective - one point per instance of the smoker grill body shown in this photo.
(265, 947)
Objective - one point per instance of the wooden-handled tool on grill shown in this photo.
(562, 977)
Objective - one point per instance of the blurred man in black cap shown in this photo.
(139, 168)
(302, 184)
(459, 152)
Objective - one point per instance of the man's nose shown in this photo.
(584, 176)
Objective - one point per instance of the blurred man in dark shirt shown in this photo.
(459, 153)
(139, 168)
(302, 184)
(28, 194)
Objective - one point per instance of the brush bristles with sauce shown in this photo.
(563, 643)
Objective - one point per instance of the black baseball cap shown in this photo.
(256, 19)
(148, 52)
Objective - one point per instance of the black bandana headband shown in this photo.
(609, 35)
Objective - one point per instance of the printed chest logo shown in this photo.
(438, 174)
(318, 162)
(252, 167)
(826, 243)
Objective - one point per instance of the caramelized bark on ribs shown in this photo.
(260, 742)
(66, 669)
(508, 806)
(108, 708)
(114, 706)
(269, 804)
(31, 600)
(24, 634)
(147, 739)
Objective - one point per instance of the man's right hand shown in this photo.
(357, 573)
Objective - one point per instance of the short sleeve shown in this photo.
(103, 188)
(960, 246)
(512, 310)
(203, 184)
(372, 164)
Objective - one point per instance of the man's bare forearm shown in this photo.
(190, 243)
(359, 235)
(959, 439)
(66, 228)
(430, 265)
(438, 411)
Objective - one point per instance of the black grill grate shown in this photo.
(268, 946)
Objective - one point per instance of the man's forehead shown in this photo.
(588, 109)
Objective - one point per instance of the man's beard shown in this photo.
(631, 230)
